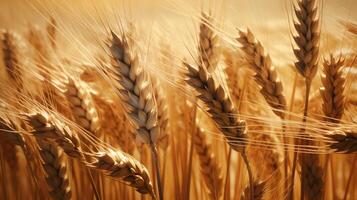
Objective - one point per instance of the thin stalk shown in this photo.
(163, 171)
(238, 182)
(3, 170)
(175, 170)
(291, 191)
(350, 178)
(332, 178)
(308, 87)
(96, 194)
(227, 185)
(306, 106)
(157, 169)
(189, 170)
(250, 174)
(286, 160)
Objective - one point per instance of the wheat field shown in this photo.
(178, 99)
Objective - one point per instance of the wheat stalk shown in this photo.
(114, 163)
(307, 41)
(265, 75)
(210, 170)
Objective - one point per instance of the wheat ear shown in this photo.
(8, 130)
(210, 170)
(220, 106)
(42, 56)
(54, 163)
(307, 41)
(135, 91)
(113, 120)
(265, 75)
(56, 170)
(11, 58)
(343, 141)
(52, 32)
(232, 71)
(208, 44)
(221, 110)
(82, 106)
(162, 114)
(114, 163)
(332, 90)
(350, 26)
(307, 38)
